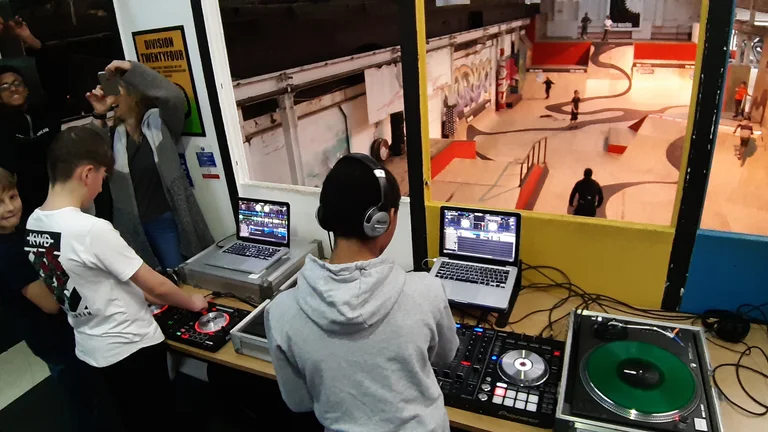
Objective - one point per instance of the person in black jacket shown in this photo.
(548, 86)
(585, 22)
(590, 195)
(27, 129)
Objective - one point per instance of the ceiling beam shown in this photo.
(266, 86)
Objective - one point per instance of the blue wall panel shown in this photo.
(726, 271)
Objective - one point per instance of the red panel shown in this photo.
(616, 148)
(561, 53)
(638, 124)
(680, 51)
(530, 185)
(530, 30)
(455, 150)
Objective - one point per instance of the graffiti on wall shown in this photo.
(473, 82)
(514, 71)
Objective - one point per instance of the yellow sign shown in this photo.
(165, 50)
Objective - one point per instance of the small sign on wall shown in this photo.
(207, 162)
(165, 50)
(452, 2)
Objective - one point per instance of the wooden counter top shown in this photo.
(528, 301)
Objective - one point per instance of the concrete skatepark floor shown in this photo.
(737, 195)
(639, 186)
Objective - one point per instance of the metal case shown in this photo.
(253, 345)
(566, 421)
(254, 287)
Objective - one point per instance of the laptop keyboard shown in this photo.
(480, 275)
(252, 251)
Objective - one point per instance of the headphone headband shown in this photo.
(381, 176)
(376, 220)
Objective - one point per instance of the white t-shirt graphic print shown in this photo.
(87, 265)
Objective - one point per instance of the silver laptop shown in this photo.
(263, 234)
(479, 256)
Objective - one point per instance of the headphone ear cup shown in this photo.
(319, 218)
(376, 222)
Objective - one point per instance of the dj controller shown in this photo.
(207, 330)
(503, 374)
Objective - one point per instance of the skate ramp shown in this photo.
(646, 156)
(478, 182)
(602, 55)
(673, 85)
(663, 127)
(647, 194)
(608, 73)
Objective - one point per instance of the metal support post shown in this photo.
(291, 132)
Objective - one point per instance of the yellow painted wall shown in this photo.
(626, 261)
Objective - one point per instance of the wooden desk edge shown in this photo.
(467, 420)
(227, 356)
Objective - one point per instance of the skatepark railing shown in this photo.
(537, 155)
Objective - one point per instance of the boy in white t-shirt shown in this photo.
(102, 283)
(608, 23)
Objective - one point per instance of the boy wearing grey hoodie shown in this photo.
(356, 340)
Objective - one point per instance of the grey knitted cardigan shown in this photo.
(162, 126)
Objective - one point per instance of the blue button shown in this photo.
(493, 357)
(479, 329)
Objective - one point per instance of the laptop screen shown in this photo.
(483, 235)
(260, 220)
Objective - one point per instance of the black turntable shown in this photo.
(207, 330)
(629, 374)
(503, 374)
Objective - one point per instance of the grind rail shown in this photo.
(535, 156)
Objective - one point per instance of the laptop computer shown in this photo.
(479, 256)
(263, 234)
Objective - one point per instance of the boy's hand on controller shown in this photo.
(199, 302)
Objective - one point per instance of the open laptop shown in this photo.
(263, 229)
(479, 256)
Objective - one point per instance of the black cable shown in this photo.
(484, 319)
(738, 367)
(727, 348)
(330, 242)
(601, 300)
(218, 243)
(751, 308)
(743, 312)
(478, 318)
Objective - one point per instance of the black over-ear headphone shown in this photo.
(726, 325)
(376, 220)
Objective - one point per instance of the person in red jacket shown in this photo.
(739, 100)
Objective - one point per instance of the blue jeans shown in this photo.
(163, 236)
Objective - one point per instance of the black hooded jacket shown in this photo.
(26, 134)
(25, 137)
